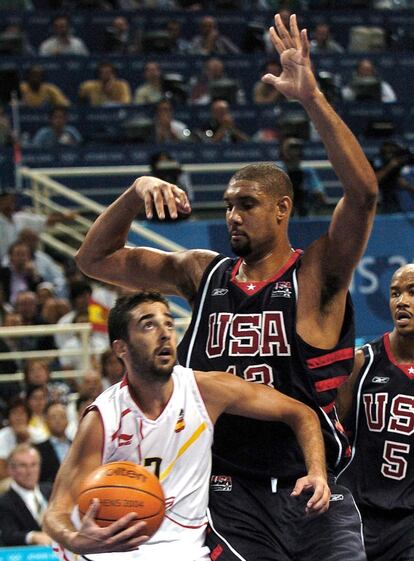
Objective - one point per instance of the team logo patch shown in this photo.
(282, 289)
(336, 497)
(180, 424)
(221, 483)
(380, 380)
(219, 291)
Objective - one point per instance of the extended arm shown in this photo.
(83, 457)
(224, 392)
(103, 254)
(339, 252)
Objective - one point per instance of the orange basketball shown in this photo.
(124, 487)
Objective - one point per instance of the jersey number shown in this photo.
(154, 464)
(395, 465)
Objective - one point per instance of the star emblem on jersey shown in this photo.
(180, 424)
(411, 370)
(251, 286)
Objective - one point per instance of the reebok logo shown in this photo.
(380, 380)
(219, 291)
(336, 497)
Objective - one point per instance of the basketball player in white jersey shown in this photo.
(162, 416)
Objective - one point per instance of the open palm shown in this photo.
(296, 80)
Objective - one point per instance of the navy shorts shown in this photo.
(250, 521)
(389, 536)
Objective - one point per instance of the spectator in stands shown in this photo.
(15, 432)
(91, 384)
(393, 169)
(209, 40)
(80, 292)
(168, 129)
(309, 194)
(322, 42)
(11, 344)
(12, 221)
(37, 373)
(53, 309)
(96, 345)
(62, 42)
(27, 306)
(44, 291)
(22, 506)
(202, 89)
(222, 127)
(112, 369)
(54, 449)
(264, 93)
(367, 85)
(6, 133)
(152, 90)
(106, 90)
(18, 45)
(178, 45)
(35, 92)
(119, 39)
(20, 274)
(58, 132)
(37, 397)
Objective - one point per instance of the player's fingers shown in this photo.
(277, 42)
(305, 43)
(181, 199)
(283, 33)
(149, 205)
(319, 502)
(92, 511)
(124, 526)
(170, 199)
(294, 31)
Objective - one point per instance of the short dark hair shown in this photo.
(119, 316)
(78, 288)
(18, 402)
(271, 177)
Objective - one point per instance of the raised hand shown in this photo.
(297, 80)
(157, 194)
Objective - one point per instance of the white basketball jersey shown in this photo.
(177, 447)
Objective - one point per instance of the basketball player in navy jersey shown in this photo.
(377, 405)
(275, 316)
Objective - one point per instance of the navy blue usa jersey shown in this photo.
(249, 329)
(381, 470)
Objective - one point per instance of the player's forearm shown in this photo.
(307, 429)
(110, 231)
(344, 152)
(59, 527)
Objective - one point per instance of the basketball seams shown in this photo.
(120, 487)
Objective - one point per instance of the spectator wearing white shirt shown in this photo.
(15, 432)
(366, 70)
(62, 42)
(13, 221)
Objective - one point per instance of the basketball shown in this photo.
(123, 487)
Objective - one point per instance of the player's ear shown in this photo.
(119, 346)
(284, 207)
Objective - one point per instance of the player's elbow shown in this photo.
(85, 261)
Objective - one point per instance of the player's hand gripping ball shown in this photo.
(123, 487)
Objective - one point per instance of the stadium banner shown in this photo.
(27, 553)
